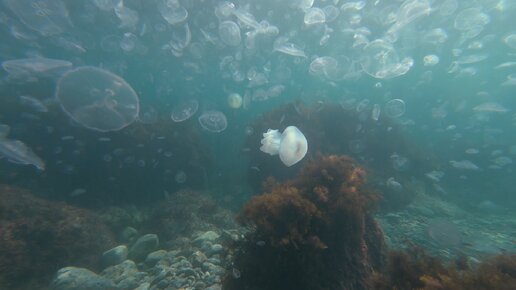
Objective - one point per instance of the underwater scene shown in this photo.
(258, 144)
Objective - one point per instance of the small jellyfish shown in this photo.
(213, 121)
(394, 108)
(356, 146)
(235, 100)
(107, 158)
(291, 145)
(394, 185)
(229, 33)
(148, 115)
(4, 130)
(184, 110)
(510, 40)
(128, 41)
(249, 131)
(34, 104)
(314, 16)
(400, 163)
(363, 105)
(430, 60)
(375, 113)
(180, 177)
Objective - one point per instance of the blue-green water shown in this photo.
(420, 92)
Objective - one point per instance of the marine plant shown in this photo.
(414, 269)
(315, 231)
(37, 237)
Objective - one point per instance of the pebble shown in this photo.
(154, 257)
(115, 255)
(125, 275)
(213, 269)
(143, 246)
(143, 286)
(215, 249)
(214, 287)
(207, 236)
(198, 258)
(73, 278)
(128, 235)
(197, 265)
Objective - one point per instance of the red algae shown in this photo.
(37, 237)
(317, 229)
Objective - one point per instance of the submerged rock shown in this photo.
(115, 255)
(143, 246)
(125, 275)
(207, 236)
(129, 234)
(154, 257)
(72, 278)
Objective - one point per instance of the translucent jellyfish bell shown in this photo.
(213, 121)
(291, 145)
(97, 99)
(229, 33)
(33, 68)
(184, 110)
(394, 108)
(49, 17)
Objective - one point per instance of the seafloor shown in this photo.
(183, 242)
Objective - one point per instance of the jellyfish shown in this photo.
(97, 99)
(291, 145)
(213, 121)
(235, 101)
(184, 110)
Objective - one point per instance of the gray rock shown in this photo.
(178, 282)
(213, 269)
(143, 286)
(228, 236)
(154, 257)
(214, 287)
(187, 272)
(205, 246)
(125, 275)
(129, 234)
(207, 236)
(215, 249)
(115, 255)
(198, 258)
(214, 260)
(212, 279)
(199, 285)
(73, 278)
(143, 246)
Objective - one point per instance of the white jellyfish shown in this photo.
(235, 101)
(291, 145)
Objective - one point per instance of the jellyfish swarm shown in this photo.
(313, 232)
(97, 99)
